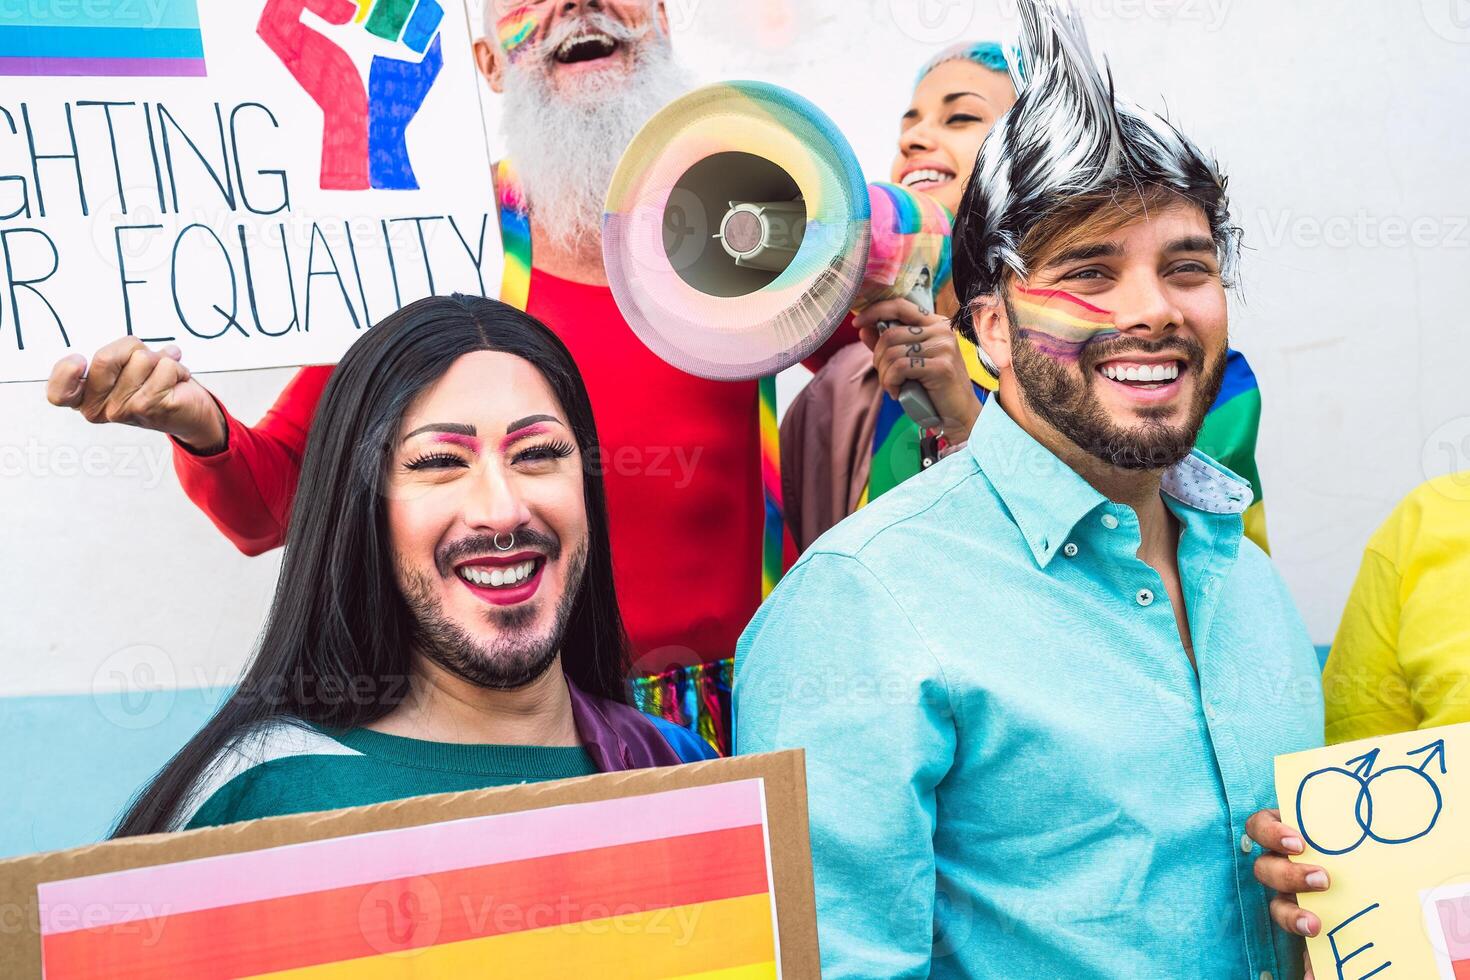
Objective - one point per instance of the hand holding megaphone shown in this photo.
(739, 232)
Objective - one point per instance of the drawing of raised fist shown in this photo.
(364, 124)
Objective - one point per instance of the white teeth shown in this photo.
(607, 43)
(920, 176)
(1142, 372)
(497, 578)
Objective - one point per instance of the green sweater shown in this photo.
(288, 768)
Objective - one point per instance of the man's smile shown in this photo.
(503, 581)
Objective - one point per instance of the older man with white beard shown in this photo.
(681, 454)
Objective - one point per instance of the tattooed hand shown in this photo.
(921, 347)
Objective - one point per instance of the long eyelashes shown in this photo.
(434, 461)
(443, 460)
(547, 451)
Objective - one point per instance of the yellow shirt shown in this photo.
(1401, 659)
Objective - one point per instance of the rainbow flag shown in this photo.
(1454, 918)
(1229, 436)
(672, 884)
(106, 39)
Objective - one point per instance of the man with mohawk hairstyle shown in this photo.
(1053, 672)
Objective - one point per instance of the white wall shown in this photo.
(1342, 125)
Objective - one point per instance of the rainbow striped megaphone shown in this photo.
(739, 233)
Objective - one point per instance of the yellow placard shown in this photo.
(1389, 820)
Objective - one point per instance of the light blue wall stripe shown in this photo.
(72, 762)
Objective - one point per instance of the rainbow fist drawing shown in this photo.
(365, 127)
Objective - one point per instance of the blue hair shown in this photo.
(986, 54)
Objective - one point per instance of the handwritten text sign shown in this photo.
(256, 181)
(1387, 818)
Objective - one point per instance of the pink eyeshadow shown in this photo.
(464, 442)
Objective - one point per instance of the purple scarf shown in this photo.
(618, 737)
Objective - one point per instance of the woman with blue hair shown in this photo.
(845, 440)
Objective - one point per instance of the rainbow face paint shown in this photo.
(1057, 323)
(519, 28)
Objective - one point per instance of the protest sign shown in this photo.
(1385, 817)
(256, 182)
(701, 869)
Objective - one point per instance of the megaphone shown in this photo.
(739, 233)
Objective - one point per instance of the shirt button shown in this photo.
(1070, 550)
(1145, 597)
(1266, 975)
(1211, 713)
(1110, 522)
(1246, 844)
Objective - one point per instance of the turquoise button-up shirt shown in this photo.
(1013, 770)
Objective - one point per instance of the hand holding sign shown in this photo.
(1384, 818)
(364, 141)
(131, 384)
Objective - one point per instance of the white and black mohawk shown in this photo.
(1066, 136)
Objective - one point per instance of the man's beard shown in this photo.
(515, 658)
(565, 143)
(1071, 406)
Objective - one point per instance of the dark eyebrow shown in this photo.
(1195, 243)
(955, 96)
(1083, 253)
(453, 428)
(520, 424)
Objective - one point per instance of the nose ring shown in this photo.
(509, 544)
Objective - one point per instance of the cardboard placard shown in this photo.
(1386, 818)
(658, 872)
(247, 180)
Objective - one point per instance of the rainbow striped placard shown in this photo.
(98, 40)
(671, 884)
(1450, 922)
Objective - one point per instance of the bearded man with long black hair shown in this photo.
(445, 617)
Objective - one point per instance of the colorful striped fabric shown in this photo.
(673, 884)
(515, 233)
(696, 698)
(773, 540)
(1229, 436)
(102, 40)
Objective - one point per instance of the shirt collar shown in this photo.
(1047, 498)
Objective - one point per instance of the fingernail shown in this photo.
(1291, 845)
(1317, 880)
(172, 351)
(1304, 926)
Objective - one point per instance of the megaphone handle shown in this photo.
(916, 402)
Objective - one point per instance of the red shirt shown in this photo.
(680, 460)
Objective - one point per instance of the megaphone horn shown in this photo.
(739, 233)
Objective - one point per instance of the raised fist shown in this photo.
(364, 131)
(129, 383)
